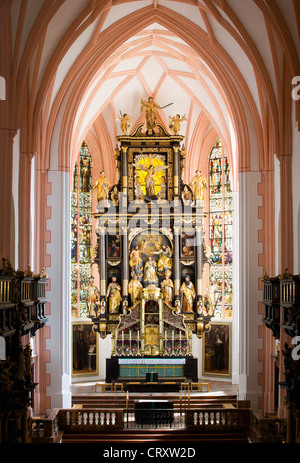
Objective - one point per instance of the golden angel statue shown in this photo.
(125, 123)
(149, 179)
(174, 123)
(151, 107)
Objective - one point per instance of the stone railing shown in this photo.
(79, 420)
(90, 420)
(218, 419)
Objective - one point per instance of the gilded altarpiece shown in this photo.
(151, 254)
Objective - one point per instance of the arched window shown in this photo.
(220, 229)
(81, 231)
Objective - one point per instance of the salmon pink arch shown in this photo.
(127, 28)
(239, 121)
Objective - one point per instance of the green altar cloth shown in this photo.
(168, 368)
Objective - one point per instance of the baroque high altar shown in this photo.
(150, 248)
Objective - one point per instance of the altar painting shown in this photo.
(217, 350)
(85, 350)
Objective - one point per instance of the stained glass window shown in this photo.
(81, 231)
(220, 229)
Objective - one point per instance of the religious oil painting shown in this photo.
(188, 244)
(113, 246)
(85, 350)
(217, 350)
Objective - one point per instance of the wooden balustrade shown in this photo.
(91, 420)
(218, 420)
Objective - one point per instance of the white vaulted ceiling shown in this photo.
(89, 60)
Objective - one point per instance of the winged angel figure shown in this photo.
(149, 179)
(151, 107)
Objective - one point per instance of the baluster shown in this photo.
(102, 416)
(201, 417)
(225, 415)
(195, 416)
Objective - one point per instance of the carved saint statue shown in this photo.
(135, 258)
(135, 289)
(165, 258)
(210, 294)
(186, 196)
(167, 288)
(174, 123)
(114, 196)
(103, 185)
(92, 297)
(198, 185)
(150, 276)
(114, 295)
(188, 291)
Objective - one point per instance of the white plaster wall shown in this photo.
(249, 295)
(104, 353)
(15, 200)
(235, 346)
(59, 295)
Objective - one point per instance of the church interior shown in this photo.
(150, 221)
